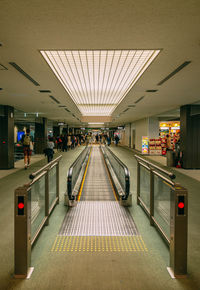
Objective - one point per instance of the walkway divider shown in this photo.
(166, 204)
(34, 203)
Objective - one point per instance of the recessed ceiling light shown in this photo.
(98, 80)
(125, 110)
(140, 99)
(2, 67)
(44, 91)
(54, 99)
(151, 91)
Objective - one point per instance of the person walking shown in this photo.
(108, 140)
(27, 143)
(168, 141)
(116, 140)
(49, 150)
(69, 142)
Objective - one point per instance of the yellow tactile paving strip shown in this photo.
(99, 244)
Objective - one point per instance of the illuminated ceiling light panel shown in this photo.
(98, 80)
(96, 110)
(98, 123)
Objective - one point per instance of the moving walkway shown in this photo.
(97, 219)
(98, 174)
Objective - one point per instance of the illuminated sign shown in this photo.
(20, 205)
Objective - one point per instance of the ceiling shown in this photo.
(30, 26)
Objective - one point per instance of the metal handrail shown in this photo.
(177, 241)
(150, 164)
(23, 195)
(34, 174)
(70, 173)
(126, 173)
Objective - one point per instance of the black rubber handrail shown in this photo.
(126, 172)
(70, 173)
(152, 165)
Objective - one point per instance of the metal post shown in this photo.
(22, 236)
(151, 197)
(57, 183)
(138, 182)
(47, 197)
(178, 231)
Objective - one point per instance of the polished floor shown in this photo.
(87, 270)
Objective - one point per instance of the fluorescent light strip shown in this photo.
(95, 123)
(98, 80)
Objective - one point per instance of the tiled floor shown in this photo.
(96, 270)
(20, 164)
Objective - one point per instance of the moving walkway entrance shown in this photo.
(93, 223)
(98, 223)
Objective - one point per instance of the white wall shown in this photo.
(144, 127)
(153, 127)
(127, 134)
(141, 129)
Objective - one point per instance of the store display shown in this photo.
(155, 147)
(171, 128)
(145, 145)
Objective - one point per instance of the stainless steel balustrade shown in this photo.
(75, 174)
(120, 169)
(34, 203)
(166, 204)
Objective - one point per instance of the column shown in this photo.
(56, 131)
(40, 136)
(6, 137)
(190, 136)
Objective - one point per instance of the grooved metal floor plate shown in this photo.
(97, 185)
(98, 218)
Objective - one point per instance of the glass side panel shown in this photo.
(52, 186)
(118, 169)
(145, 186)
(162, 204)
(77, 167)
(37, 204)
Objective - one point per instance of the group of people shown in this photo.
(63, 142)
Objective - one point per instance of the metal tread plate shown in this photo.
(97, 185)
(98, 218)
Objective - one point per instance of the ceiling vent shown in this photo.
(54, 99)
(131, 106)
(140, 99)
(44, 91)
(24, 73)
(125, 110)
(174, 72)
(2, 67)
(67, 110)
(1, 89)
(151, 91)
(61, 106)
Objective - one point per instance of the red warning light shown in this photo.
(4, 142)
(181, 205)
(20, 205)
